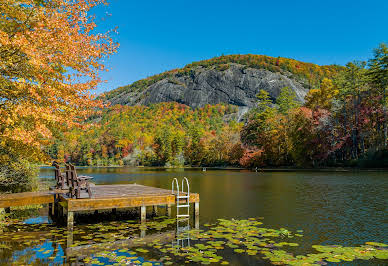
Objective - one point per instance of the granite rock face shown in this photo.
(237, 85)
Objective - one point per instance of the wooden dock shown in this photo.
(122, 196)
(26, 198)
(103, 197)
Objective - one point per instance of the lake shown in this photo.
(345, 208)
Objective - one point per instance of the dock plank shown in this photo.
(26, 198)
(122, 196)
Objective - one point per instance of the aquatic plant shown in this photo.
(211, 245)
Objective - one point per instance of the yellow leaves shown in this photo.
(148, 140)
(123, 143)
(37, 44)
(322, 97)
(4, 40)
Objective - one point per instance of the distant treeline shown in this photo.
(165, 134)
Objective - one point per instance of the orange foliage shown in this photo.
(50, 60)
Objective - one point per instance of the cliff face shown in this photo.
(236, 84)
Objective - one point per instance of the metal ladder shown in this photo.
(182, 236)
(181, 195)
(183, 219)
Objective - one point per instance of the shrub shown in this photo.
(18, 176)
(222, 67)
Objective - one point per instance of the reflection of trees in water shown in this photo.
(48, 243)
(42, 250)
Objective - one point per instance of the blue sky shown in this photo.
(156, 35)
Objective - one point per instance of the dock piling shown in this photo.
(142, 233)
(50, 210)
(60, 212)
(70, 220)
(55, 211)
(155, 210)
(1, 218)
(70, 238)
(196, 215)
(143, 213)
(196, 208)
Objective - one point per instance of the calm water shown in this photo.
(342, 208)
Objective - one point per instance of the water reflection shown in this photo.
(347, 208)
(182, 239)
(331, 207)
(33, 242)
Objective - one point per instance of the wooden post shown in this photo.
(143, 213)
(169, 210)
(60, 212)
(50, 210)
(70, 220)
(56, 203)
(196, 208)
(155, 210)
(53, 209)
(69, 238)
(196, 215)
(1, 219)
(143, 233)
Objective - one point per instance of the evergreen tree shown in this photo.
(287, 100)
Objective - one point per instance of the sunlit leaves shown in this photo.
(168, 134)
(50, 60)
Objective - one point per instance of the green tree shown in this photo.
(287, 100)
(352, 83)
(378, 72)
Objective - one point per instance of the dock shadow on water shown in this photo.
(122, 240)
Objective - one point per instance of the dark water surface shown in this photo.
(342, 208)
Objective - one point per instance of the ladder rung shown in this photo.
(181, 206)
(183, 197)
(183, 215)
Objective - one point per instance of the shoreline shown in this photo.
(328, 169)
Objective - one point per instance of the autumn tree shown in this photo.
(323, 96)
(378, 73)
(286, 100)
(50, 59)
(265, 134)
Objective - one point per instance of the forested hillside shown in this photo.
(165, 134)
(342, 121)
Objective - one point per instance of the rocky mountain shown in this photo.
(234, 79)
